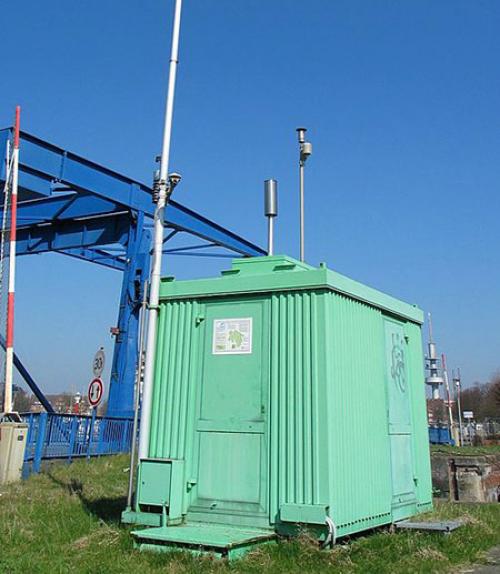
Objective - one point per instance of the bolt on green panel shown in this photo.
(287, 389)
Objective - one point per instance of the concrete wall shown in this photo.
(466, 478)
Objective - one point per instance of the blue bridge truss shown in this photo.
(70, 205)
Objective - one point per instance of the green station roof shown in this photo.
(254, 275)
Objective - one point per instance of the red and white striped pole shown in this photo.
(9, 346)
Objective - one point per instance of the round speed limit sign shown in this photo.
(96, 390)
(98, 363)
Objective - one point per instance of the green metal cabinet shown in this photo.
(160, 488)
(290, 393)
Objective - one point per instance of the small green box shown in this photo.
(160, 484)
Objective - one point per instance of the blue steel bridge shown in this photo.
(73, 206)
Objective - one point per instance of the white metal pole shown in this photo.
(6, 193)
(9, 343)
(448, 395)
(305, 152)
(154, 292)
(270, 236)
(301, 198)
(270, 211)
(459, 405)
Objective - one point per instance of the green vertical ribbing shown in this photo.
(157, 388)
(289, 469)
(298, 404)
(191, 405)
(283, 378)
(357, 410)
(177, 380)
(161, 369)
(274, 402)
(185, 380)
(306, 399)
(170, 378)
(419, 415)
(318, 464)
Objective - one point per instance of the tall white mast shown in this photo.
(434, 379)
(164, 189)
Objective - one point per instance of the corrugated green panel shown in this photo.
(419, 417)
(173, 407)
(359, 470)
(294, 456)
(361, 292)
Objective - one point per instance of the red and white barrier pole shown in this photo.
(9, 347)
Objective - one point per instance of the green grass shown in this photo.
(67, 520)
(465, 450)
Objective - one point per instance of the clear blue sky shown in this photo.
(402, 103)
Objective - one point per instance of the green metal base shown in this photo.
(144, 518)
(222, 540)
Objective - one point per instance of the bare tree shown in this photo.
(22, 401)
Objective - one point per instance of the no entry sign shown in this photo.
(96, 390)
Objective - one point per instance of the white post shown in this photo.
(301, 209)
(458, 384)
(9, 344)
(154, 292)
(270, 211)
(448, 394)
(305, 152)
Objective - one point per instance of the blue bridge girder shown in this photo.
(96, 256)
(44, 169)
(70, 205)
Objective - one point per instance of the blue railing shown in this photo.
(65, 436)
